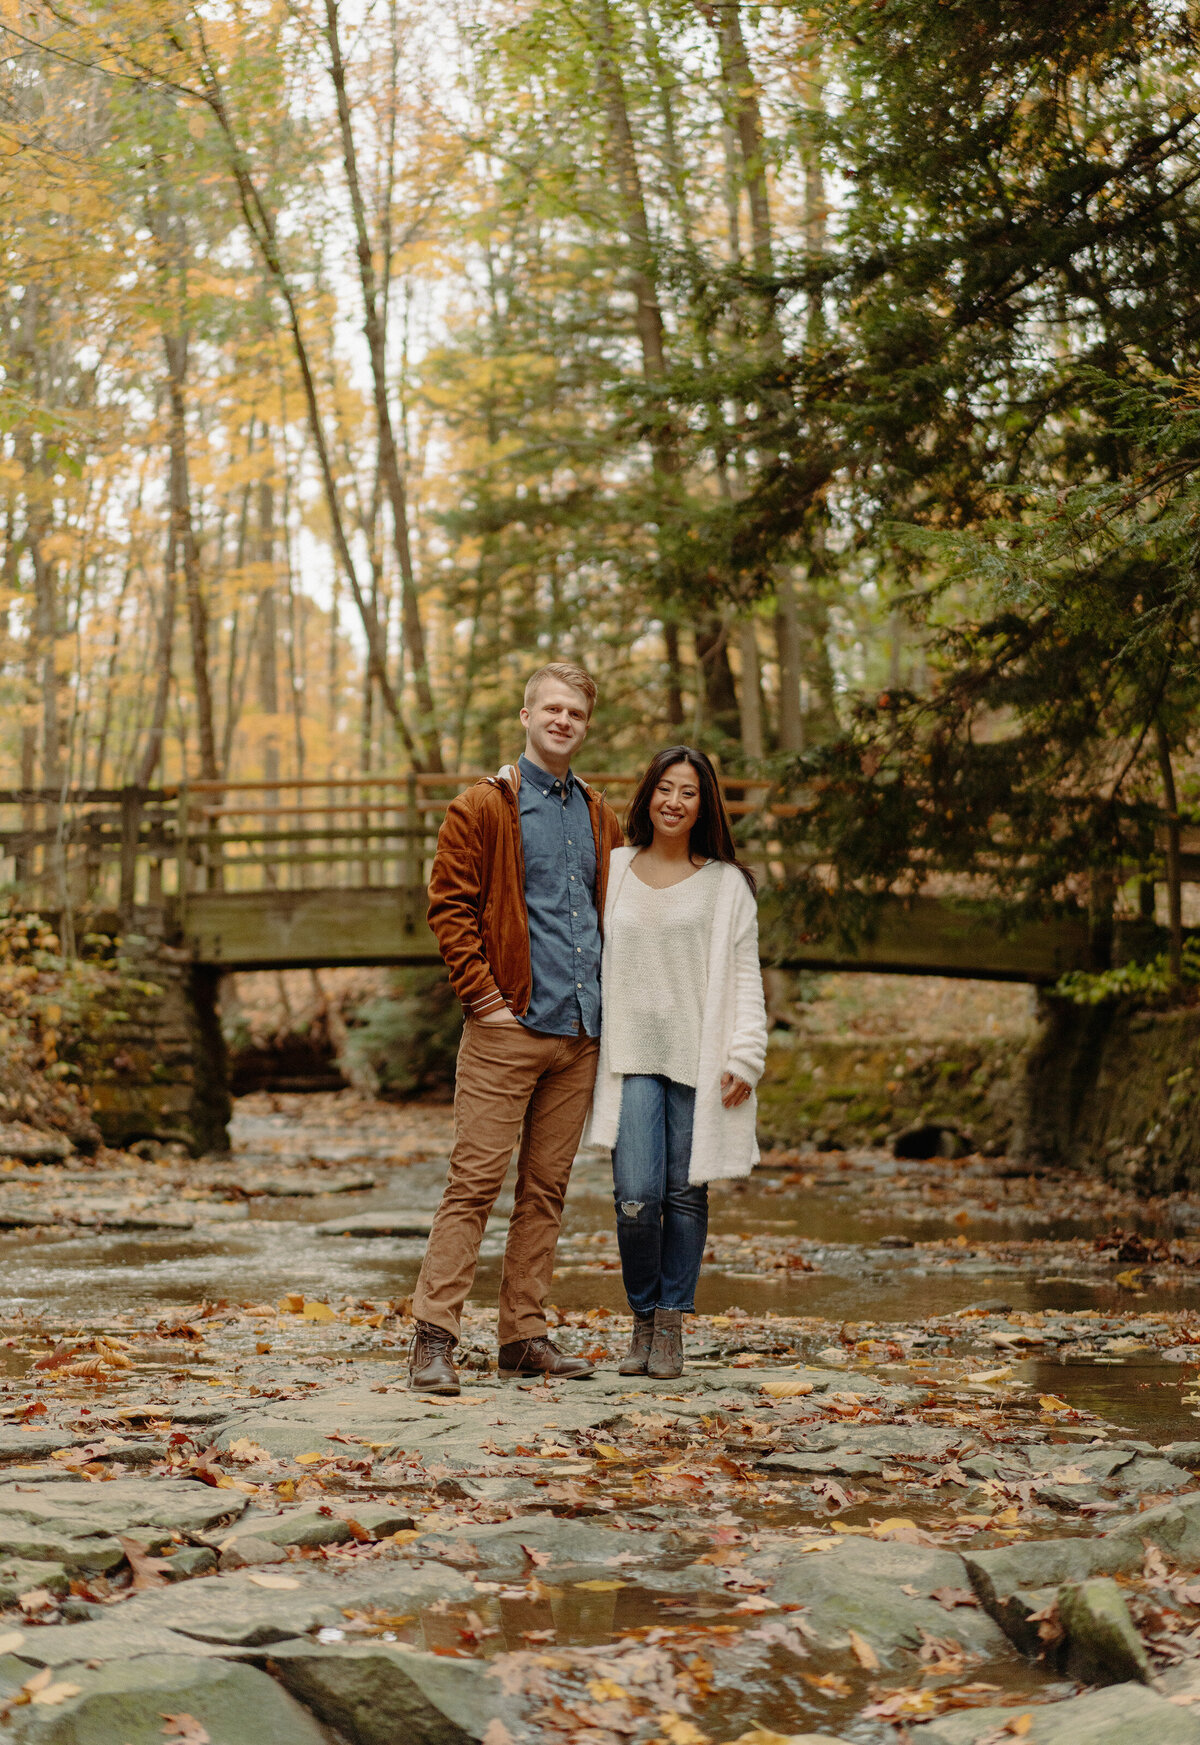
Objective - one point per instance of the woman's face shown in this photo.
(675, 803)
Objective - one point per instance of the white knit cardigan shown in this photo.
(733, 1032)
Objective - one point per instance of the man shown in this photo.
(515, 900)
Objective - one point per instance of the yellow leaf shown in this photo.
(677, 1731)
(893, 1524)
(599, 1587)
(318, 1312)
(1021, 1725)
(786, 1390)
(54, 1694)
(987, 1377)
(606, 1451)
(406, 1535)
(10, 1640)
(863, 1652)
(1131, 1280)
(286, 1489)
(263, 1578)
(1051, 1403)
(292, 1303)
(604, 1690)
(310, 1459)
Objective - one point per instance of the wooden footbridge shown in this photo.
(314, 873)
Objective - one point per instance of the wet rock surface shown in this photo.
(938, 1487)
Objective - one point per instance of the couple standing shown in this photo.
(591, 975)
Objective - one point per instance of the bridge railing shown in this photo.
(115, 848)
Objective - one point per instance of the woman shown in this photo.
(683, 1040)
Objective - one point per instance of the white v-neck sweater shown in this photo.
(733, 1030)
(658, 973)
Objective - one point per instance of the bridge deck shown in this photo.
(308, 929)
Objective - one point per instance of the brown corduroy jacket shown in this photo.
(477, 891)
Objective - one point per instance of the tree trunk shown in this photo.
(389, 462)
(1174, 860)
(185, 547)
(163, 653)
(260, 223)
(789, 649)
(753, 738)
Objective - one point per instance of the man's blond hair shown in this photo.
(566, 674)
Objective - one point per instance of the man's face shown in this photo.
(556, 722)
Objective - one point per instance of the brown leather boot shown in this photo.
(542, 1357)
(634, 1360)
(665, 1361)
(430, 1370)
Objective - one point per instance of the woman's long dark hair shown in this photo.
(711, 835)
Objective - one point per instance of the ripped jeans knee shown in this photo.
(638, 1211)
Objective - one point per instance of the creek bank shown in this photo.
(243, 1512)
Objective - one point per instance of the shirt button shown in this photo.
(572, 878)
(578, 984)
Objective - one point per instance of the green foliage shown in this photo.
(405, 1043)
(1139, 984)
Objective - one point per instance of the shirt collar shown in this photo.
(542, 780)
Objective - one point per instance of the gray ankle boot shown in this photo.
(666, 1348)
(634, 1360)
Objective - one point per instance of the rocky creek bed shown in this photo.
(931, 1472)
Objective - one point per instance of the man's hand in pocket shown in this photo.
(502, 1015)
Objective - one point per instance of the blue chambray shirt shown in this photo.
(560, 878)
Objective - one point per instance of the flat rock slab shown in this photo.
(124, 1704)
(232, 1610)
(400, 1223)
(29, 1145)
(858, 1584)
(78, 1509)
(380, 1694)
(33, 1444)
(1124, 1714)
(490, 1418)
(847, 1465)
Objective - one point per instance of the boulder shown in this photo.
(293, 1527)
(124, 1703)
(250, 1552)
(1005, 1570)
(1102, 1642)
(1124, 1714)
(379, 1693)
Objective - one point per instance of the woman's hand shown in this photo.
(733, 1090)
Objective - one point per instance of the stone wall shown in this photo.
(154, 1066)
(1116, 1093)
(841, 1091)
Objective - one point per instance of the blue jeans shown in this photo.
(662, 1223)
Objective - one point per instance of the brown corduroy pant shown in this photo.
(512, 1084)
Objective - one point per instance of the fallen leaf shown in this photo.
(832, 1683)
(147, 1570)
(264, 1578)
(1131, 1280)
(53, 1694)
(606, 1451)
(11, 1640)
(318, 1312)
(987, 1378)
(599, 1587)
(1052, 1404)
(786, 1390)
(949, 1597)
(863, 1652)
(311, 1459)
(187, 1730)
